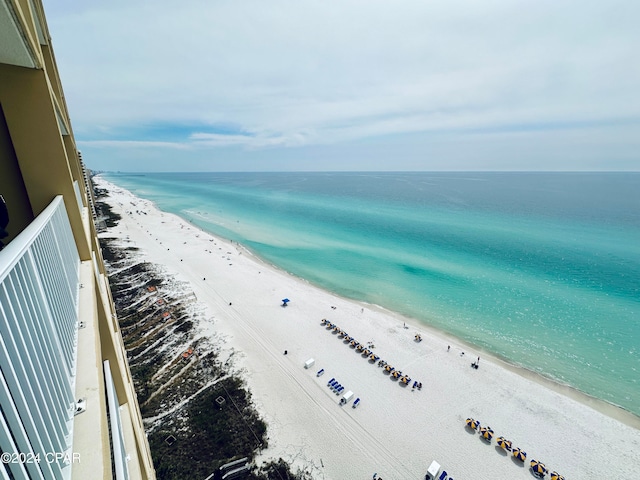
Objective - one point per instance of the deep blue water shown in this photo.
(542, 269)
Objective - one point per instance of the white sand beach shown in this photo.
(397, 430)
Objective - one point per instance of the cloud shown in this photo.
(131, 144)
(288, 73)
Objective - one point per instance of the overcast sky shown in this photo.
(259, 85)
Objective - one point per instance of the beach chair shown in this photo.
(443, 475)
(320, 372)
(356, 403)
(330, 381)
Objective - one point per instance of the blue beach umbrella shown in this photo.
(472, 423)
(285, 301)
(519, 454)
(487, 433)
(538, 468)
(504, 443)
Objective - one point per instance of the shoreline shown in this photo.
(302, 414)
(610, 409)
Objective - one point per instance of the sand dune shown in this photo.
(397, 431)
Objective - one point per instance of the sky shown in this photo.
(322, 85)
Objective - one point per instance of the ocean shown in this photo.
(540, 269)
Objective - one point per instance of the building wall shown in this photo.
(38, 162)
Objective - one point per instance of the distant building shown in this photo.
(68, 405)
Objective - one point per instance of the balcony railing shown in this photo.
(39, 285)
(119, 458)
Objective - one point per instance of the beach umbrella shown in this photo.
(538, 468)
(285, 300)
(556, 476)
(504, 443)
(473, 424)
(520, 454)
(486, 433)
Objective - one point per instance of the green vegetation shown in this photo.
(208, 435)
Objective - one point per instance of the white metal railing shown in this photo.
(39, 284)
(121, 470)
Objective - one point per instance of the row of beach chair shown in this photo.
(366, 351)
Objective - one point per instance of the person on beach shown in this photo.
(448, 347)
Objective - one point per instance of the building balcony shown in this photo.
(60, 416)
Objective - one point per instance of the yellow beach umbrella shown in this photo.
(556, 476)
(538, 468)
(504, 443)
(520, 454)
(486, 433)
(472, 423)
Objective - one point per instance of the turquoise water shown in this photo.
(542, 269)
